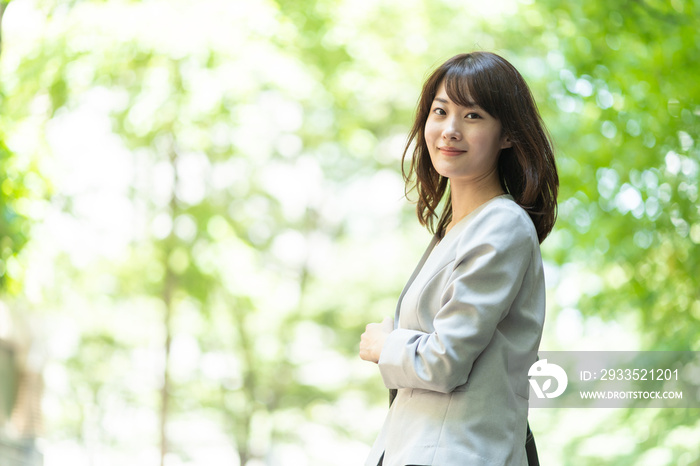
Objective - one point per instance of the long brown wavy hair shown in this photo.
(527, 170)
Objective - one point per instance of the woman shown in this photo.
(470, 319)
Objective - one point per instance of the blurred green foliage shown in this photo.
(629, 116)
(259, 210)
(13, 233)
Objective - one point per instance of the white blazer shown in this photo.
(469, 325)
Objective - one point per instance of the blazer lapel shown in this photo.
(426, 254)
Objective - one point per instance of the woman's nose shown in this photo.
(451, 130)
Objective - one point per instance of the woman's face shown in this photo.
(463, 142)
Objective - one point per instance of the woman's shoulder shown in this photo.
(501, 219)
(505, 211)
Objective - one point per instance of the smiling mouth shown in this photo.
(451, 150)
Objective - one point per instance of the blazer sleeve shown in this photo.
(492, 257)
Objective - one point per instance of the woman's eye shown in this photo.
(473, 116)
(439, 111)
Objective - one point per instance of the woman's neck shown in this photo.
(468, 197)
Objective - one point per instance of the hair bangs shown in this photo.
(466, 86)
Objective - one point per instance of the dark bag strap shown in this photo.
(531, 448)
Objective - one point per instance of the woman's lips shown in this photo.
(450, 151)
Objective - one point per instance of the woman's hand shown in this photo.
(372, 341)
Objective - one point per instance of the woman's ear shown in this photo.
(506, 142)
